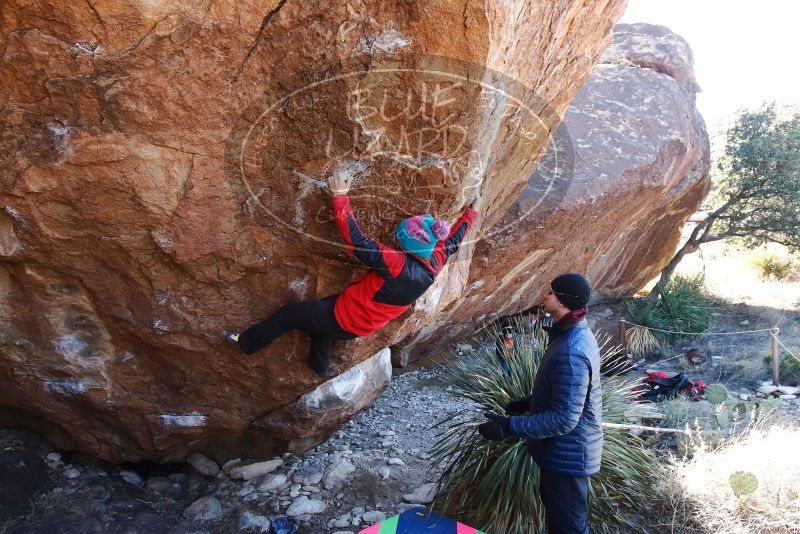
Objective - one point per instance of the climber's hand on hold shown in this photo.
(339, 183)
(477, 203)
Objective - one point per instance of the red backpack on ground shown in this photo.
(660, 386)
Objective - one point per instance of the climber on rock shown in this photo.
(395, 279)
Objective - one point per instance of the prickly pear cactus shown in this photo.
(716, 394)
(743, 483)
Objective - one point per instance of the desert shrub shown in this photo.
(647, 312)
(686, 304)
(742, 371)
(681, 307)
(771, 266)
(747, 483)
(679, 412)
(790, 368)
(721, 416)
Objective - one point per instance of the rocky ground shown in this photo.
(374, 467)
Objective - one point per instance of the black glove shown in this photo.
(518, 406)
(496, 428)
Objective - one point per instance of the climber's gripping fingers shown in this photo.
(477, 203)
(339, 182)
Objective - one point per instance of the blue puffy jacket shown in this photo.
(563, 427)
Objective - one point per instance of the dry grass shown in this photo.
(742, 372)
(790, 367)
(641, 341)
(729, 273)
(774, 266)
(702, 495)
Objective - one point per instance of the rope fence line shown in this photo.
(698, 333)
(656, 429)
(774, 331)
(792, 354)
(661, 429)
(666, 360)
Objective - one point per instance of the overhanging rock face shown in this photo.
(610, 197)
(162, 173)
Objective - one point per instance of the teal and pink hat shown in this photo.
(419, 234)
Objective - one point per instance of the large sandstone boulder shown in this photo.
(162, 171)
(653, 47)
(610, 198)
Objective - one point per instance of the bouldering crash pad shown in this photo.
(420, 520)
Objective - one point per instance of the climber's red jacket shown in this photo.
(395, 278)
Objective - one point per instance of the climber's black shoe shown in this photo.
(231, 337)
(320, 364)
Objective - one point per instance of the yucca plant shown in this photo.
(773, 267)
(686, 305)
(615, 360)
(642, 340)
(682, 306)
(494, 484)
(647, 312)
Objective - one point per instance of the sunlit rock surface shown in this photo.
(610, 198)
(162, 171)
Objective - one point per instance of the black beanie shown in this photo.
(572, 290)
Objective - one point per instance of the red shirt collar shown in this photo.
(571, 319)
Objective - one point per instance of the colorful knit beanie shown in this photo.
(419, 234)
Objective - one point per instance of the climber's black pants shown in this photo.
(314, 316)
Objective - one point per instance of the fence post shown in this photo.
(776, 358)
(623, 340)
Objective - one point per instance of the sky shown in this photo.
(745, 52)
